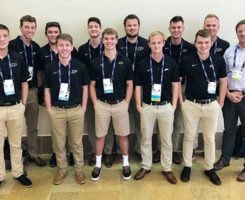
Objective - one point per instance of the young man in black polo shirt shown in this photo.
(202, 70)
(111, 89)
(177, 48)
(66, 94)
(13, 98)
(87, 52)
(28, 48)
(45, 55)
(158, 78)
(135, 48)
(219, 46)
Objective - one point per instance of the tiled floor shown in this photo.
(111, 186)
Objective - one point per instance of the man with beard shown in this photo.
(87, 52)
(177, 48)
(135, 48)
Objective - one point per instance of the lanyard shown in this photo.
(32, 57)
(212, 66)
(113, 68)
(135, 50)
(90, 53)
(51, 54)
(69, 73)
(180, 53)
(162, 70)
(234, 60)
(215, 47)
(10, 69)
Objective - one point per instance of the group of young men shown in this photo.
(113, 77)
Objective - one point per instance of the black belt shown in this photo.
(9, 103)
(204, 101)
(158, 103)
(67, 106)
(112, 102)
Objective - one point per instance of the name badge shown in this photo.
(156, 92)
(236, 74)
(108, 86)
(64, 92)
(30, 69)
(212, 87)
(8, 86)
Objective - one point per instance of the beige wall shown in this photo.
(154, 15)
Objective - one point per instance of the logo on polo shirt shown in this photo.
(120, 62)
(122, 47)
(21, 52)
(140, 48)
(13, 64)
(56, 72)
(74, 71)
(218, 49)
(34, 53)
(166, 69)
(86, 54)
(194, 65)
(184, 50)
(47, 56)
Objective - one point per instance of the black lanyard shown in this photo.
(204, 70)
(10, 69)
(162, 71)
(113, 68)
(90, 53)
(32, 56)
(234, 60)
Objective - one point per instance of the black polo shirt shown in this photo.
(219, 47)
(123, 72)
(174, 50)
(45, 55)
(196, 84)
(85, 57)
(143, 77)
(79, 78)
(17, 46)
(20, 75)
(143, 49)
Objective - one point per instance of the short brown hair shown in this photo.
(211, 16)
(3, 27)
(27, 18)
(154, 34)
(240, 23)
(64, 36)
(110, 31)
(203, 33)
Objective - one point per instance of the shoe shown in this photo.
(126, 172)
(80, 178)
(241, 176)
(220, 165)
(108, 160)
(170, 177)
(92, 160)
(185, 174)
(95, 174)
(156, 157)
(71, 160)
(38, 161)
(176, 158)
(59, 177)
(52, 161)
(141, 174)
(213, 177)
(23, 180)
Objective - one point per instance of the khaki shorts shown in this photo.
(119, 114)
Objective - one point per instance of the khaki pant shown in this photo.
(165, 116)
(31, 114)
(207, 115)
(12, 119)
(73, 119)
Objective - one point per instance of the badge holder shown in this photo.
(8, 86)
(64, 92)
(156, 92)
(108, 86)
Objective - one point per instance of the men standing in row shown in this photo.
(177, 48)
(158, 78)
(135, 48)
(13, 98)
(66, 94)
(111, 89)
(25, 46)
(202, 70)
(87, 52)
(234, 106)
